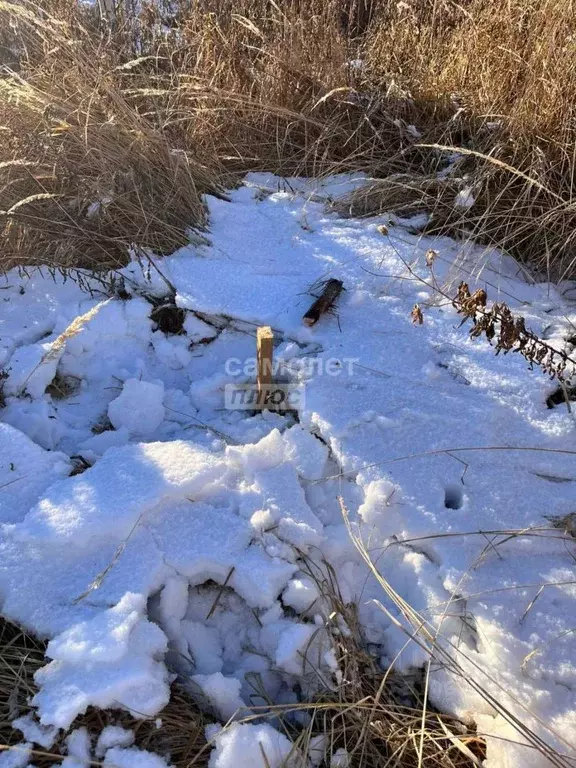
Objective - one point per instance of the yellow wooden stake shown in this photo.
(265, 355)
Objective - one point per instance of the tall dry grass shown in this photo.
(114, 126)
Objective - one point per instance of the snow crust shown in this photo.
(184, 544)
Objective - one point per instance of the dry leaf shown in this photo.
(416, 315)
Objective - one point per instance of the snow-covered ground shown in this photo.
(121, 563)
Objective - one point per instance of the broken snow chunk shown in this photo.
(465, 198)
(32, 730)
(258, 746)
(340, 759)
(317, 747)
(282, 494)
(307, 453)
(31, 369)
(104, 639)
(300, 594)
(137, 683)
(107, 500)
(37, 419)
(203, 542)
(17, 756)
(21, 487)
(292, 648)
(197, 330)
(78, 745)
(109, 661)
(97, 445)
(139, 407)
(133, 758)
(222, 693)
(257, 457)
(380, 507)
(204, 646)
(113, 736)
(172, 351)
(178, 407)
(259, 578)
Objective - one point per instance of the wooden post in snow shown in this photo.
(265, 356)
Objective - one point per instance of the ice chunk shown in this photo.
(222, 693)
(133, 758)
(113, 736)
(257, 746)
(139, 407)
(108, 499)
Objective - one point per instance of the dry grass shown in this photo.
(112, 135)
(378, 718)
(84, 174)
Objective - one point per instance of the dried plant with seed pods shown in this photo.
(507, 333)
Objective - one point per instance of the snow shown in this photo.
(113, 736)
(186, 546)
(108, 662)
(26, 470)
(138, 408)
(79, 748)
(34, 732)
(340, 759)
(31, 369)
(125, 484)
(260, 746)
(222, 694)
(16, 757)
(132, 758)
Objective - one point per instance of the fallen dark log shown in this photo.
(325, 302)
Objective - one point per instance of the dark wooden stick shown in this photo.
(332, 290)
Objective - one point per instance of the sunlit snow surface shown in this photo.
(179, 509)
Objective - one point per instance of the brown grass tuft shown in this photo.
(114, 127)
